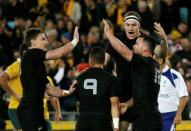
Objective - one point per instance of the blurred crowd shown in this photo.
(59, 17)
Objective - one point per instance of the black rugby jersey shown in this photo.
(94, 89)
(33, 77)
(123, 67)
(146, 84)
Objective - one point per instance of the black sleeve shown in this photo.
(114, 87)
(109, 49)
(38, 54)
(138, 60)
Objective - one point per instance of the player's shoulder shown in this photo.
(175, 73)
(95, 72)
(15, 64)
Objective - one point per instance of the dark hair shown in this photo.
(98, 55)
(150, 41)
(30, 34)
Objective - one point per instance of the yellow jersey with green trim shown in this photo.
(14, 74)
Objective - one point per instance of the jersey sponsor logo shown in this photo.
(91, 84)
(164, 95)
(39, 128)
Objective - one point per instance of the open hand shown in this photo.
(106, 27)
(123, 108)
(72, 87)
(160, 31)
(177, 119)
(76, 34)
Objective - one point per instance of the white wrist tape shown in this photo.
(65, 92)
(116, 123)
(74, 42)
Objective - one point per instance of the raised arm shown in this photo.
(123, 50)
(115, 112)
(64, 50)
(4, 78)
(164, 43)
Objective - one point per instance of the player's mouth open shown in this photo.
(131, 33)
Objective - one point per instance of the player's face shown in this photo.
(41, 42)
(132, 29)
(139, 46)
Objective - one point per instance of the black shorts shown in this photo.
(32, 118)
(93, 123)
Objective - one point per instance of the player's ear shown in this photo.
(33, 42)
(160, 61)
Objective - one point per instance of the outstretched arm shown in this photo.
(123, 50)
(53, 91)
(164, 43)
(4, 78)
(64, 50)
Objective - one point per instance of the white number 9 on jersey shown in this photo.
(91, 84)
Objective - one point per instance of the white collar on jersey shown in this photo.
(19, 59)
(165, 68)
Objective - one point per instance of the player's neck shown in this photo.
(97, 66)
(162, 67)
(147, 54)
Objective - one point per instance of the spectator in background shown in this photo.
(168, 19)
(183, 29)
(52, 39)
(174, 41)
(147, 18)
(66, 37)
(81, 52)
(60, 27)
(185, 53)
(72, 9)
(92, 14)
(70, 26)
(17, 32)
(154, 6)
(49, 25)
(111, 6)
(14, 8)
(93, 37)
(5, 42)
(80, 68)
